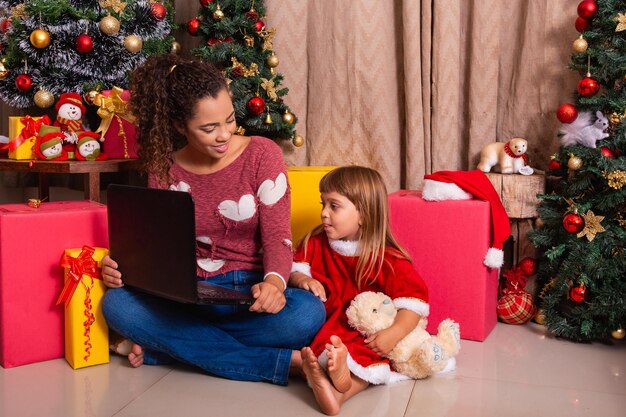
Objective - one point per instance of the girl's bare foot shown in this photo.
(135, 357)
(322, 388)
(338, 370)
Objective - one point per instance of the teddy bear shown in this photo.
(418, 355)
(70, 110)
(584, 130)
(510, 156)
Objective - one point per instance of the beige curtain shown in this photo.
(414, 86)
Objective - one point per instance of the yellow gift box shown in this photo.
(305, 198)
(86, 331)
(25, 148)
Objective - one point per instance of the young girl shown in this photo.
(351, 252)
(186, 133)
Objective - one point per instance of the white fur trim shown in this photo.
(302, 267)
(279, 276)
(414, 304)
(450, 366)
(494, 258)
(344, 247)
(374, 374)
(439, 191)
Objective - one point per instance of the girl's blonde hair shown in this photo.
(365, 188)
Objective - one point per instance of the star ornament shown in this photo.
(621, 19)
(592, 226)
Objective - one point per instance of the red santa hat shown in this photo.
(70, 98)
(463, 185)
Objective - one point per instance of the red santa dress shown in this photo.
(333, 264)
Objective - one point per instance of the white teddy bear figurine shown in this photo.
(510, 157)
(419, 354)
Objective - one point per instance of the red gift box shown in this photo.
(119, 135)
(447, 241)
(31, 243)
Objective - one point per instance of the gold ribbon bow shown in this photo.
(111, 106)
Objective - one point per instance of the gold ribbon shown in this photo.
(111, 106)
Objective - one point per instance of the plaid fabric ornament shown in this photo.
(515, 305)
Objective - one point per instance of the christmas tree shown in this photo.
(582, 224)
(52, 47)
(236, 39)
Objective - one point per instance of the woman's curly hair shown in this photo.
(164, 92)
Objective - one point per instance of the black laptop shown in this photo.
(152, 237)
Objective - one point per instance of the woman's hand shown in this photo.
(269, 296)
(110, 275)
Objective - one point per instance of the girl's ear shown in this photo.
(180, 128)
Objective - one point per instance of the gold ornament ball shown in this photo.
(90, 97)
(272, 60)
(580, 45)
(574, 163)
(40, 38)
(298, 141)
(176, 47)
(218, 14)
(133, 43)
(618, 334)
(109, 25)
(288, 118)
(540, 317)
(44, 99)
(539, 223)
(4, 72)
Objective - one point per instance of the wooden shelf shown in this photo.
(90, 169)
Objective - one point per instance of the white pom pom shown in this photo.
(439, 191)
(494, 258)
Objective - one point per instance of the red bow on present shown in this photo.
(31, 128)
(84, 264)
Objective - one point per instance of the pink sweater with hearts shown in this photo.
(242, 212)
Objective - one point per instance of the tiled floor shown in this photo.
(517, 371)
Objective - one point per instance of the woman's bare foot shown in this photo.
(338, 370)
(135, 357)
(319, 382)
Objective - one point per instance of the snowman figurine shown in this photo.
(70, 110)
(88, 147)
(50, 147)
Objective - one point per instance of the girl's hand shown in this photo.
(314, 286)
(111, 277)
(269, 298)
(384, 341)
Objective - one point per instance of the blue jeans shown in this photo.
(224, 340)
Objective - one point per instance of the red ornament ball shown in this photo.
(5, 25)
(84, 43)
(192, 26)
(256, 105)
(252, 15)
(607, 152)
(587, 9)
(581, 24)
(259, 25)
(205, 3)
(566, 113)
(573, 223)
(528, 266)
(577, 294)
(588, 87)
(24, 83)
(554, 165)
(158, 11)
(516, 307)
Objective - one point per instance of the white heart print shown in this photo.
(238, 211)
(271, 191)
(181, 186)
(210, 265)
(205, 239)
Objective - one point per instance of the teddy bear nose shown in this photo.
(375, 311)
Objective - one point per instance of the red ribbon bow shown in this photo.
(515, 280)
(31, 128)
(84, 264)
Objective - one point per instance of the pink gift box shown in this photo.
(448, 241)
(32, 241)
